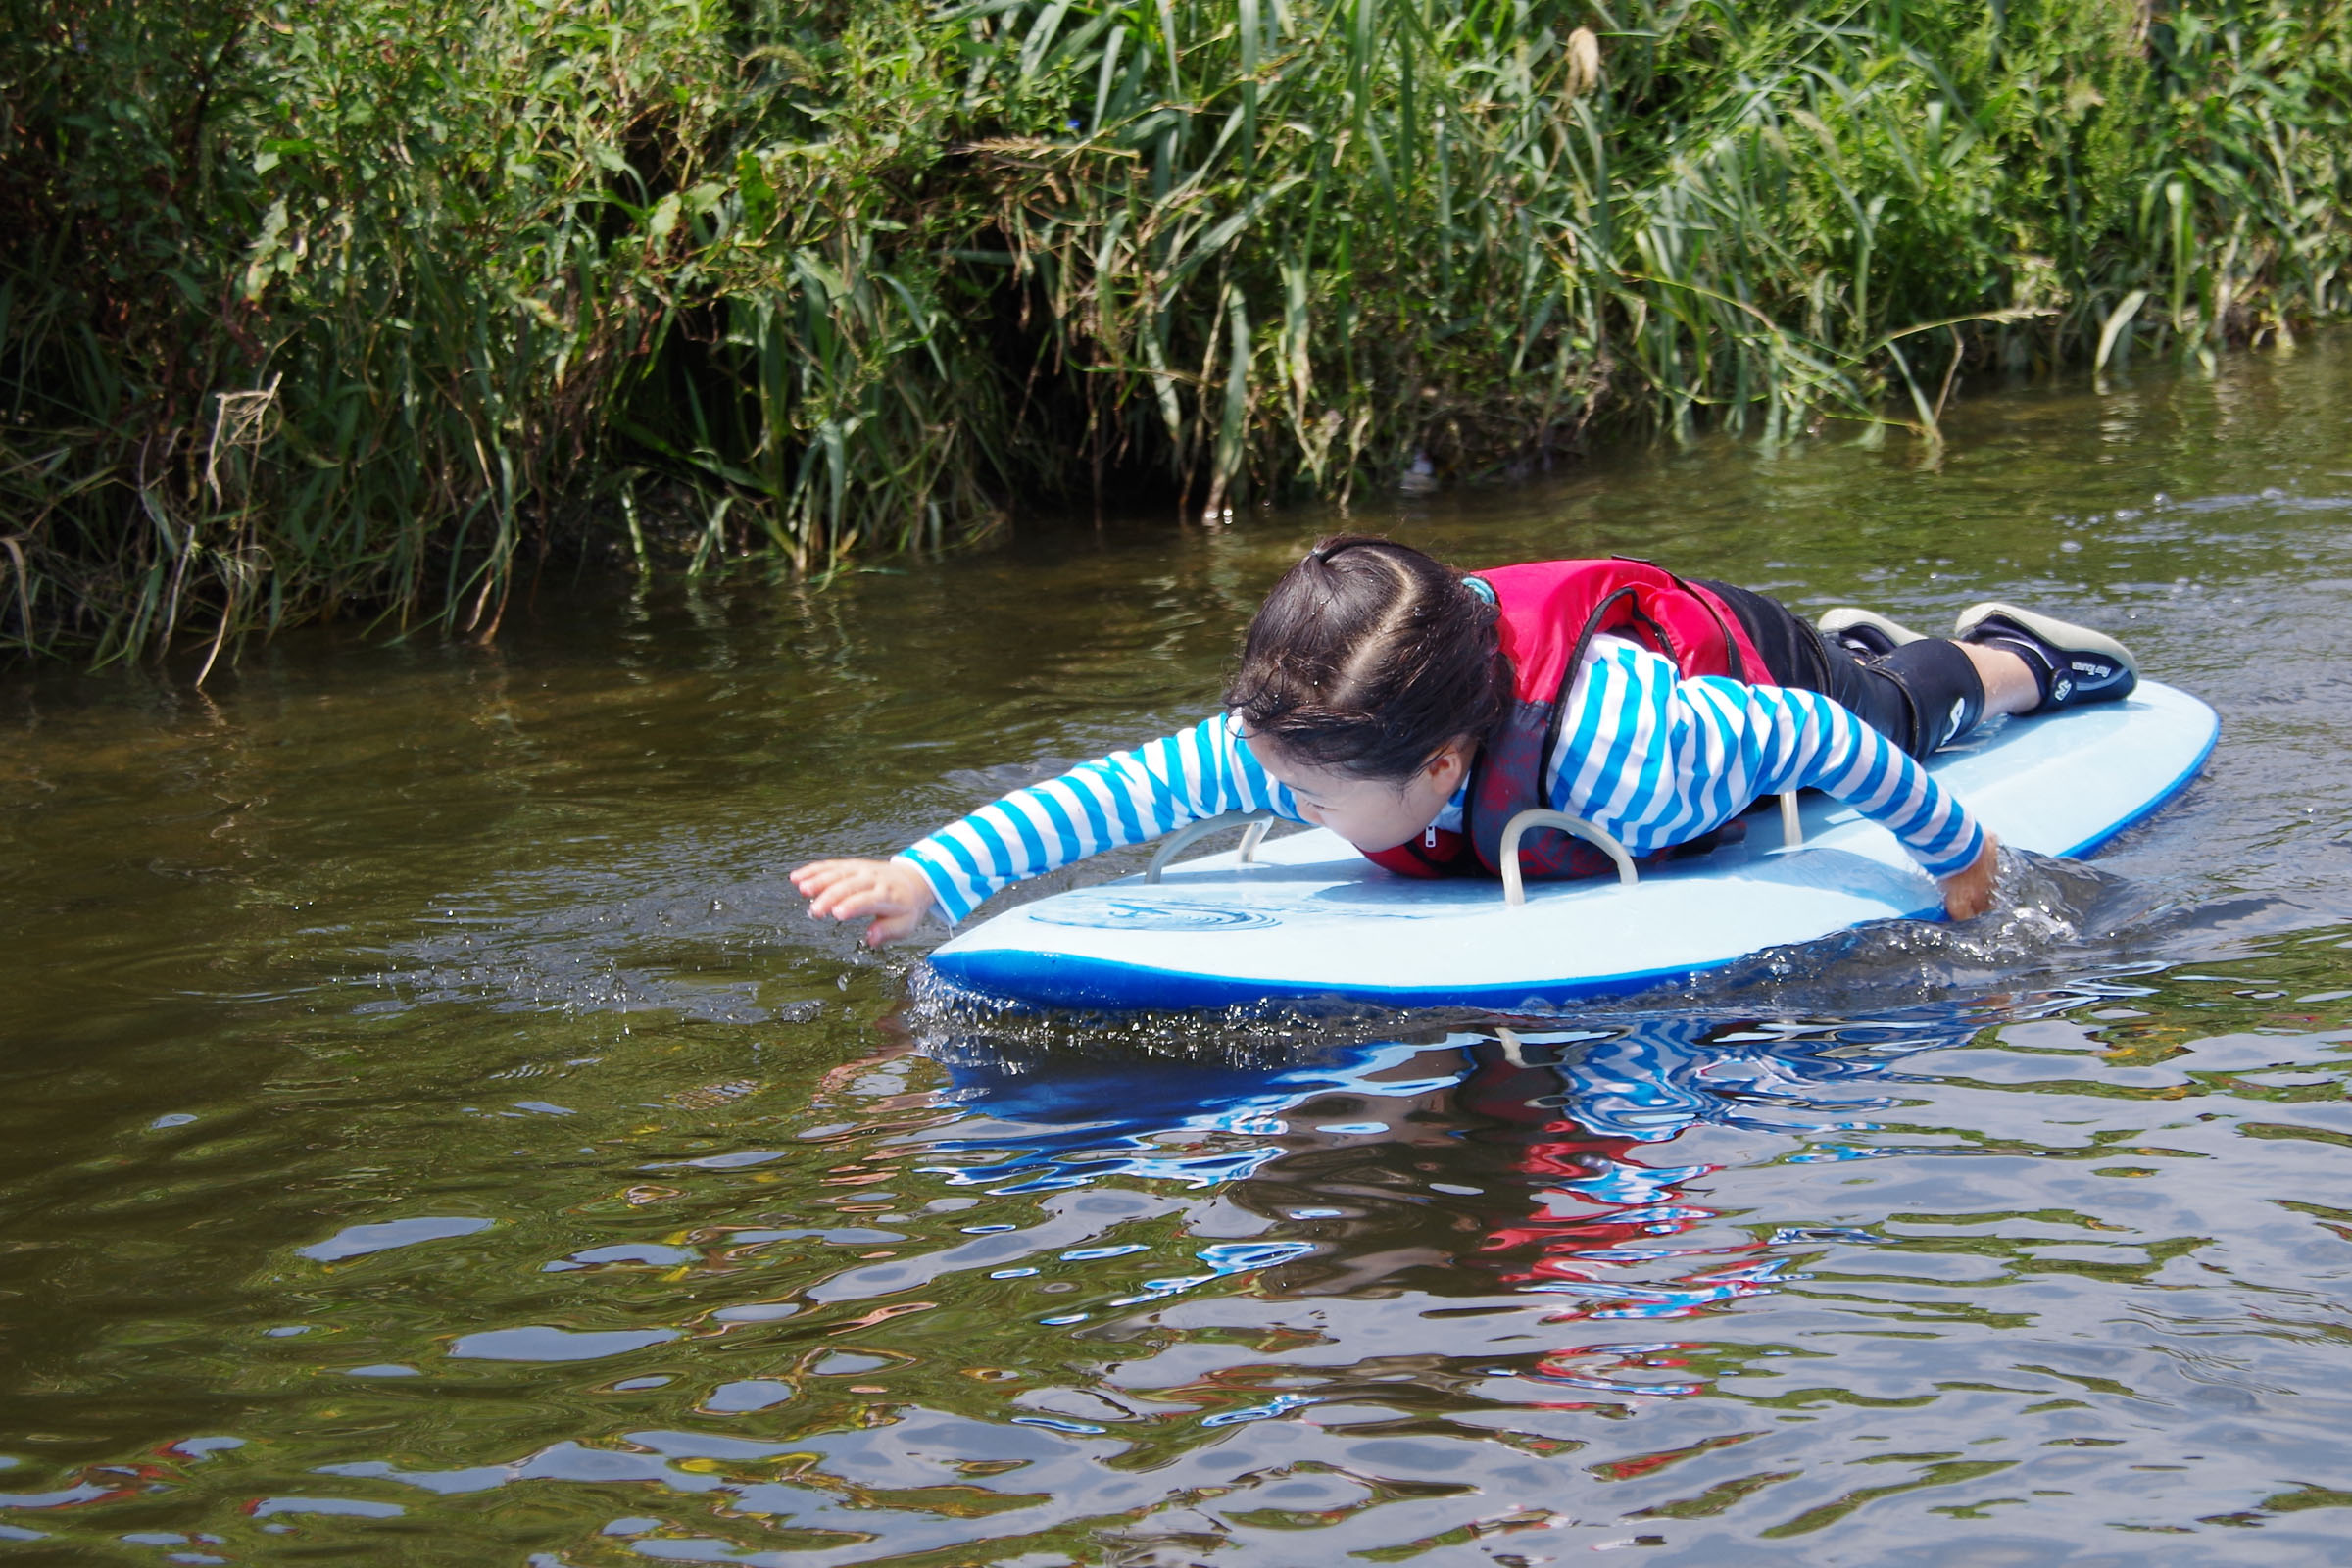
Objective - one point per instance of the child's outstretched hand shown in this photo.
(892, 891)
(1968, 893)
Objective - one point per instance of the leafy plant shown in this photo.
(365, 305)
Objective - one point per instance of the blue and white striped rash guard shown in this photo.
(1644, 752)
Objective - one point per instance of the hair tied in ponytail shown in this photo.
(1371, 665)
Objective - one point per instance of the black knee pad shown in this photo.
(1943, 687)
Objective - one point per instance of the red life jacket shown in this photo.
(1549, 611)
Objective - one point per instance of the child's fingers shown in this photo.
(896, 899)
(818, 875)
(848, 899)
(1968, 893)
(850, 890)
(859, 902)
(826, 882)
(891, 927)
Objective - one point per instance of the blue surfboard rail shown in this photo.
(1309, 919)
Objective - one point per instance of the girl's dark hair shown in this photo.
(1368, 657)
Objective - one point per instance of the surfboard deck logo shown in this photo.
(1141, 914)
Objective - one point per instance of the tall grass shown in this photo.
(363, 305)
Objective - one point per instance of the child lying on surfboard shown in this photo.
(1413, 709)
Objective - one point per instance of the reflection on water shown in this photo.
(431, 1135)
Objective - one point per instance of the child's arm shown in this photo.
(1657, 759)
(1125, 798)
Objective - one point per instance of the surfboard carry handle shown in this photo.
(1253, 823)
(1793, 831)
(1514, 891)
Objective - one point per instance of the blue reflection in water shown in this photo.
(1060, 1121)
(1538, 1137)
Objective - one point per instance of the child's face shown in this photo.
(1369, 812)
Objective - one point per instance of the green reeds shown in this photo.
(363, 305)
(320, 306)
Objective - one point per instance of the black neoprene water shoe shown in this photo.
(1866, 632)
(2072, 664)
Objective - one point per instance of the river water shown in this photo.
(432, 1134)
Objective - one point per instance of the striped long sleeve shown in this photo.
(1125, 798)
(1657, 758)
(1649, 756)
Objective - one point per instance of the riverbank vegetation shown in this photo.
(363, 305)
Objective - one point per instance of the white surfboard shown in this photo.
(1307, 916)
